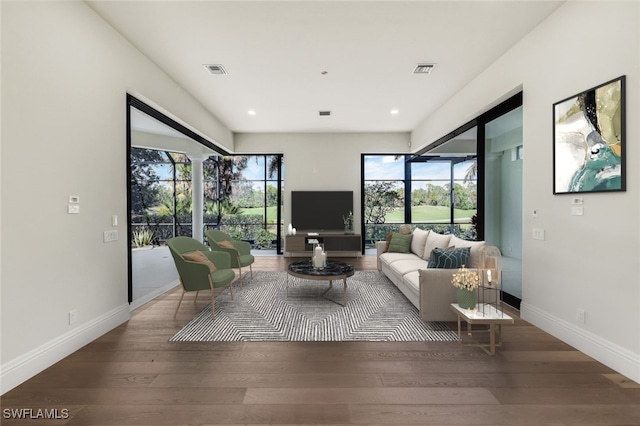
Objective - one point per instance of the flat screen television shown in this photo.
(315, 211)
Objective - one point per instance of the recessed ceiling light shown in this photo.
(424, 68)
(215, 69)
(394, 111)
(251, 112)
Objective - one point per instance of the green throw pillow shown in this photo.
(400, 243)
(449, 258)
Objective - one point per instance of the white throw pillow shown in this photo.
(419, 241)
(475, 256)
(435, 240)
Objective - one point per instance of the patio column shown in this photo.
(197, 195)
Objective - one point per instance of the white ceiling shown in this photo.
(275, 53)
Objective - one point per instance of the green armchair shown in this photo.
(240, 251)
(211, 270)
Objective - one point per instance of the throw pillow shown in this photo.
(389, 235)
(435, 240)
(475, 256)
(449, 258)
(226, 244)
(418, 241)
(198, 256)
(404, 229)
(400, 243)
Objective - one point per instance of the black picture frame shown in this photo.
(589, 140)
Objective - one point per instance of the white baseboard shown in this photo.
(152, 295)
(613, 356)
(24, 367)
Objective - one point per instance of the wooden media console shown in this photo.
(334, 243)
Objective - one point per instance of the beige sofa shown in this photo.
(429, 289)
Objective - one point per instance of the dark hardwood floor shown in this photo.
(134, 376)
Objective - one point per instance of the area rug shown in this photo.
(263, 311)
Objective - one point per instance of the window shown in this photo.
(433, 192)
(251, 199)
(160, 193)
(383, 195)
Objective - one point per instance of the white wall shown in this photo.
(65, 75)
(322, 161)
(588, 262)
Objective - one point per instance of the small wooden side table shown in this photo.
(489, 316)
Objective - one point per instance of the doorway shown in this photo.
(503, 198)
(158, 148)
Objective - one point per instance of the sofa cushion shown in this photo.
(412, 279)
(402, 267)
(449, 258)
(389, 258)
(435, 240)
(419, 241)
(475, 256)
(400, 243)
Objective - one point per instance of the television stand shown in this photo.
(335, 243)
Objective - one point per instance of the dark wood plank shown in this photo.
(133, 375)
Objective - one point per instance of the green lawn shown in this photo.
(419, 214)
(430, 214)
(271, 212)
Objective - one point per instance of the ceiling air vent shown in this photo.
(424, 68)
(215, 69)
(323, 113)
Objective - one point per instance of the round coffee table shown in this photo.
(333, 271)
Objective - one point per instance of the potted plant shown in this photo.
(466, 282)
(348, 223)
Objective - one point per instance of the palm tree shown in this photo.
(472, 172)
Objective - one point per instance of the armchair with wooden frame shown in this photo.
(200, 269)
(240, 251)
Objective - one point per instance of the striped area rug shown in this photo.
(262, 311)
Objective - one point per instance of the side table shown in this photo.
(488, 315)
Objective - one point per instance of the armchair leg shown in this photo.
(213, 299)
(251, 270)
(239, 271)
(196, 298)
(179, 302)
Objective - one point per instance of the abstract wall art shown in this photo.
(589, 140)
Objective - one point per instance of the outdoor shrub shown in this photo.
(142, 237)
(263, 239)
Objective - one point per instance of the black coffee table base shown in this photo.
(332, 272)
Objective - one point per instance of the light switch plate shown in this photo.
(538, 234)
(110, 236)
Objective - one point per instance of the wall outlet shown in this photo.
(538, 234)
(581, 316)
(577, 211)
(73, 316)
(110, 236)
